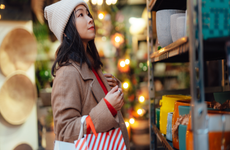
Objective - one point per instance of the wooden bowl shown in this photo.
(17, 98)
(23, 147)
(18, 51)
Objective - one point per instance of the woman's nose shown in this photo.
(90, 20)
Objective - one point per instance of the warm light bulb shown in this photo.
(101, 16)
(139, 111)
(127, 124)
(108, 2)
(99, 2)
(122, 63)
(94, 2)
(2, 6)
(131, 120)
(114, 1)
(117, 39)
(127, 61)
(141, 99)
(125, 85)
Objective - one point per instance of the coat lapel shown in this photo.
(88, 74)
(101, 75)
(98, 92)
(96, 87)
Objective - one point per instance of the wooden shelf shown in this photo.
(214, 49)
(167, 144)
(156, 5)
(187, 90)
(167, 53)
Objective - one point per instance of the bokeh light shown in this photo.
(131, 120)
(2, 6)
(122, 63)
(100, 16)
(125, 85)
(140, 112)
(127, 61)
(94, 2)
(141, 99)
(108, 2)
(117, 39)
(114, 1)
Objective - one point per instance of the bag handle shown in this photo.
(82, 126)
(90, 125)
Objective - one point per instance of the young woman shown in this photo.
(79, 87)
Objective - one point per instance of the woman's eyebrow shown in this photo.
(79, 9)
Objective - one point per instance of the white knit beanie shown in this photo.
(58, 15)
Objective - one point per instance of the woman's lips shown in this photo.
(91, 28)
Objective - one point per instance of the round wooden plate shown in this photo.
(18, 51)
(23, 147)
(17, 98)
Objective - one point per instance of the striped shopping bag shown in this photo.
(111, 140)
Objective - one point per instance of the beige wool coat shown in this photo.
(77, 92)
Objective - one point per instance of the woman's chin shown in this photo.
(91, 38)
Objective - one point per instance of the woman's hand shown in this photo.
(115, 98)
(111, 80)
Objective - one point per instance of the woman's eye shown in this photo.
(80, 15)
(88, 13)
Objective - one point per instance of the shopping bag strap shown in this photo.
(82, 126)
(90, 125)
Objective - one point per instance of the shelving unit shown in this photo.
(214, 49)
(187, 49)
(166, 144)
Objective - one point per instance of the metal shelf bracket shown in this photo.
(198, 107)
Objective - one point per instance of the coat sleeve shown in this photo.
(67, 98)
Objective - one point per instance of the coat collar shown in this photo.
(84, 70)
(87, 74)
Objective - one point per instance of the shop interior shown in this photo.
(172, 58)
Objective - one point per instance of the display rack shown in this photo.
(184, 50)
(214, 49)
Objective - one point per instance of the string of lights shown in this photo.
(100, 2)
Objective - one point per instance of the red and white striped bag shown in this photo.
(111, 140)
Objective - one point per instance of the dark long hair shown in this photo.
(72, 48)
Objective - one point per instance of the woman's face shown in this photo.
(84, 23)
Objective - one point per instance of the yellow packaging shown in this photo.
(167, 105)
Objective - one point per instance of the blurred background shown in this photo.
(27, 50)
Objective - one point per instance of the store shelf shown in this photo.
(169, 53)
(187, 91)
(167, 144)
(178, 51)
(184, 51)
(156, 5)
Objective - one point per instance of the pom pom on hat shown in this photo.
(58, 15)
